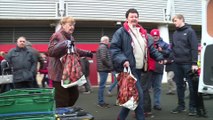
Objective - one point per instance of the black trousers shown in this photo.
(65, 97)
(146, 85)
(197, 96)
(24, 84)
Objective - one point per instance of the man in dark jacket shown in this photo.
(104, 65)
(23, 64)
(185, 52)
(157, 73)
(131, 47)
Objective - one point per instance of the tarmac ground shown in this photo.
(168, 102)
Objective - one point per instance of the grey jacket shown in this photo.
(23, 64)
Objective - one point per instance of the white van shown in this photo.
(206, 75)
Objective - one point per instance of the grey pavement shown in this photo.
(89, 103)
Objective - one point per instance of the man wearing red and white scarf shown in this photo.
(131, 47)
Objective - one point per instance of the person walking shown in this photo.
(185, 52)
(58, 46)
(113, 84)
(85, 68)
(170, 77)
(130, 47)
(104, 67)
(43, 70)
(23, 64)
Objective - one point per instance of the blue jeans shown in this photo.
(139, 110)
(112, 86)
(103, 79)
(156, 86)
(181, 72)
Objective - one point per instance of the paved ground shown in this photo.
(89, 103)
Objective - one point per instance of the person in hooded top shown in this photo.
(185, 52)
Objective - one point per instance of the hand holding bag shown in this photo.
(79, 82)
(72, 70)
(128, 94)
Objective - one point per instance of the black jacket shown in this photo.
(185, 45)
(104, 61)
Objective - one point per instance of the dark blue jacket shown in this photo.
(185, 45)
(122, 50)
(165, 51)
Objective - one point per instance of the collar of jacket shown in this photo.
(20, 49)
(183, 27)
(105, 44)
(66, 35)
(141, 29)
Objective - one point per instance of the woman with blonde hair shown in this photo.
(59, 43)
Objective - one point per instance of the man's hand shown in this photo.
(68, 42)
(160, 49)
(194, 68)
(90, 55)
(161, 62)
(126, 64)
(165, 61)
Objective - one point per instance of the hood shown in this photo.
(183, 28)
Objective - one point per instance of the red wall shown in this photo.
(43, 48)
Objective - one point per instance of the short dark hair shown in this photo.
(131, 10)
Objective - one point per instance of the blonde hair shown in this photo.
(68, 19)
(178, 16)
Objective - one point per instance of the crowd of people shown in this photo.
(131, 47)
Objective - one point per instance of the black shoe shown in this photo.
(104, 105)
(157, 108)
(109, 94)
(170, 93)
(178, 110)
(201, 113)
(87, 92)
(192, 112)
(149, 114)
